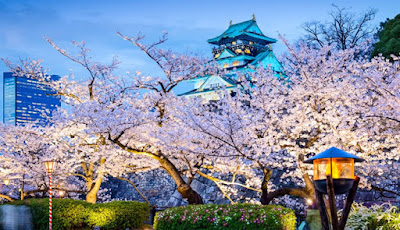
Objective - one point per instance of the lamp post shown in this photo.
(334, 174)
(6, 181)
(50, 166)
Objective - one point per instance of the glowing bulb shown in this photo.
(61, 193)
(309, 202)
(6, 181)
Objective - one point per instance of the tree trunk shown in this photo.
(264, 186)
(267, 197)
(91, 196)
(183, 188)
(300, 192)
(93, 189)
(22, 194)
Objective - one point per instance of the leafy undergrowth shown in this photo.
(237, 216)
(380, 217)
(78, 214)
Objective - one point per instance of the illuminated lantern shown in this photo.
(61, 193)
(337, 163)
(50, 166)
(6, 181)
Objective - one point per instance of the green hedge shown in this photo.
(78, 214)
(382, 217)
(238, 216)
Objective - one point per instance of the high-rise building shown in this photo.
(240, 46)
(27, 100)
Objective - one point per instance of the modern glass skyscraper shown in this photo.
(27, 100)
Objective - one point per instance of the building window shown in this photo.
(226, 65)
(214, 85)
(235, 63)
(250, 42)
(234, 43)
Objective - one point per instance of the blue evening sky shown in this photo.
(189, 24)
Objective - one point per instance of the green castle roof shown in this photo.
(247, 30)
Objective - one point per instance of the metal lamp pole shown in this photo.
(50, 165)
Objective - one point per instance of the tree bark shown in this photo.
(183, 188)
(264, 187)
(93, 189)
(287, 191)
(22, 194)
(6, 197)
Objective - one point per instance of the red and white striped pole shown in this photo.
(50, 205)
(50, 165)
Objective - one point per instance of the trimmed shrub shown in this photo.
(382, 217)
(237, 216)
(78, 214)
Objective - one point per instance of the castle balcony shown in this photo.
(246, 49)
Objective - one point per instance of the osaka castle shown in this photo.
(242, 45)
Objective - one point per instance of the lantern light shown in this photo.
(6, 181)
(50, 166)
(61, 193)
(337, 163)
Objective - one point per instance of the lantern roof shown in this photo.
(333, 152)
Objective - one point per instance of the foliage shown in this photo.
(237, 216)
(334, 99)
(389, 39)
(78, 214)
(382, 217)
(118, 124)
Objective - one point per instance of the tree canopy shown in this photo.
(257, 140)
(389, 39)
(344, 30)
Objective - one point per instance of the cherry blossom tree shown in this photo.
(116, 124)
(85, 153)
(331, 99)
(24, 149)
(117, 120)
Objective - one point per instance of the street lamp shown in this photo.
(50, 167)
(6, 181)
(336, 163)
(334, 174)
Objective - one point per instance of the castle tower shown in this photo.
(241, 45)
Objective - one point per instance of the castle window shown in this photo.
(235, 63)
(226, 65)
(250, 42)
(234, 43)
(215, 85)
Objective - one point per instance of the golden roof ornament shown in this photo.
(254, 17)
(230, 22)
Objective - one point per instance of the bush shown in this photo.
(78, 214)
(238, 216)
(382, 217)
